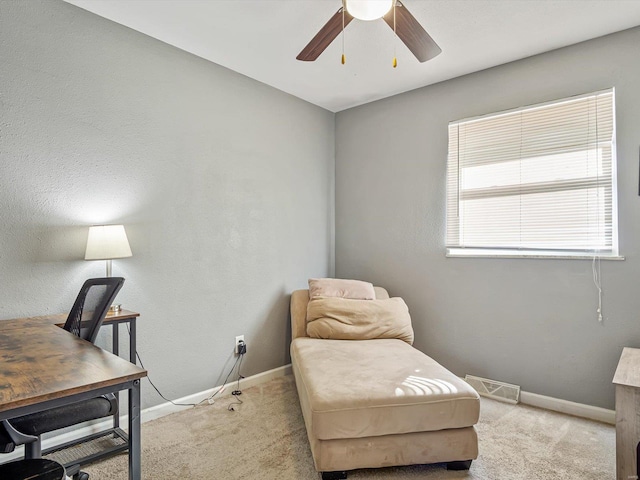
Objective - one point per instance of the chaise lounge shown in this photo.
(369, 399)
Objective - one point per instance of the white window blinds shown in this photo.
(534, 180)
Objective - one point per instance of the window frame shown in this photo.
(610, 211)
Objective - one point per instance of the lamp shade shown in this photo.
(368, 9)
(106, 242)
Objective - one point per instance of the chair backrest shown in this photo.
(91, 306)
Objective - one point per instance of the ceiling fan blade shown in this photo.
(412, 34)
(324, 37)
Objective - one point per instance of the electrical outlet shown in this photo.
(238, 339)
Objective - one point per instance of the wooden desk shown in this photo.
(113, 320)
(44, 366)
(627, 381)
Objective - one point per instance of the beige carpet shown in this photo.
(265, 439)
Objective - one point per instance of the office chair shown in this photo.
(33, 469)
(84, 321)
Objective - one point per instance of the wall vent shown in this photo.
(504, 392)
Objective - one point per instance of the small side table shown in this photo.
(112, 319)
(627, 382)
(115, 319)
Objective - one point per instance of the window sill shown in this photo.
(479, 253)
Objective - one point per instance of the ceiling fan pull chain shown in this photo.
(344, 59)
(395, 40)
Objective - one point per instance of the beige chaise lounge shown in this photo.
(379, 402)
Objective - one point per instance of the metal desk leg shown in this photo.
(132, 341)
(115, 340)
(115, 349)
(135, 449)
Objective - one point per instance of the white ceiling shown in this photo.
(261, 38)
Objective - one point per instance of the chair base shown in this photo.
(33, 469)
(74, 472)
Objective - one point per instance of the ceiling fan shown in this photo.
(393, 12)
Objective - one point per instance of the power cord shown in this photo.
(209, 399)
(237, 392)
(158, 391)
(222, 387)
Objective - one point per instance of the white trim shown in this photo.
(571, 408)
(457, 252)
(156, 411)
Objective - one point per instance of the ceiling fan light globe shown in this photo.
(368, 9)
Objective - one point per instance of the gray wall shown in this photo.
(225, 186)
(529, 322)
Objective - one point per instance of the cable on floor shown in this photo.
(237, 392)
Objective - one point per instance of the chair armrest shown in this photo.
(299, 301)
(17, 437)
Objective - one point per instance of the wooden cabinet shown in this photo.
(627, 381)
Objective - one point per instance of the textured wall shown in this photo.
(529, 322)
(225, 186)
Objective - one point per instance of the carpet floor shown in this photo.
(265, 439)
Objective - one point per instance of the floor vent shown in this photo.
(504, 392)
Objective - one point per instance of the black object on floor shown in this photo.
(32, 469)
(334, 475)
(463, 465)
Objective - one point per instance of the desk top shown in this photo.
(60, 318)
(628, 370)
(40, 362)
(111, 317)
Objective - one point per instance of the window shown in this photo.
(535, 181)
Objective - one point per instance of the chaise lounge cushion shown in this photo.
(364, 388)
(346, 319)
(339, 287)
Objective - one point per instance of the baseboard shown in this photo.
(571, 408)
(156, 411)
(565, 406)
